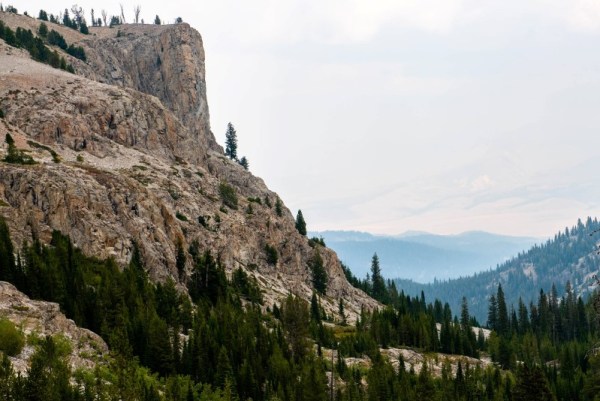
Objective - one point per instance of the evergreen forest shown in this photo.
(221, 343)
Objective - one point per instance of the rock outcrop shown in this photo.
(125, 154)
(39, 318)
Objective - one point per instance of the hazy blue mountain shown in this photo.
(570, 256)
(421, 256)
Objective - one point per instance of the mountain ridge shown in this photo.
(431, 255)
(117, 165)
(570, 256)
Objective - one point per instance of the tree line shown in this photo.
(220, 343)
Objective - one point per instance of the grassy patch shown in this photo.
(228, 195)
(55, 156)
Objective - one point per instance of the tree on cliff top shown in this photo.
(300, 223)
(379, 291)
(231, 142)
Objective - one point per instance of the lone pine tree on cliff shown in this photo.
(300, 223)
(231, 142)
(379, 290)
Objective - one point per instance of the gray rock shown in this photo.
(139, 163)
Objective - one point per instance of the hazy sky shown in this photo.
(387, 116)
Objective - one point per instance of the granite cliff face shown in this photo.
(138, 162)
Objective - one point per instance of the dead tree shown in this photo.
(136, 12)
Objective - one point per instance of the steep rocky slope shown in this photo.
(138, 162)
(39, 318)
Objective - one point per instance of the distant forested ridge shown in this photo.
(570, 257)
(422, 257)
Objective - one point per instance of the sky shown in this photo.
(394, 115)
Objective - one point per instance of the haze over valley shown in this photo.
(423, 257)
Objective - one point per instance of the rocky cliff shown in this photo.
(39, 319)
(125, 153)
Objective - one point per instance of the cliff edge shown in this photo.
(124, 154)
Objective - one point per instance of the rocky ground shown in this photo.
(125, 153)
(39, 319)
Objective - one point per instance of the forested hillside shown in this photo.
(570, 257)
(220, 344)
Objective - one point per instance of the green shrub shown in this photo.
(174, 194)
(12, 339)
(16, 156)
(43, 30)
(228, 195)
(77, 52)
(271, 252)
(246, 286)
(314, 241)
(181, 216)
(55, 156)
(56, 39)
(203, 220)
(255, 200)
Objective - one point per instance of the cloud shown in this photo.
(585, 16)
(479, 184)
(334, 21)
(361, 20)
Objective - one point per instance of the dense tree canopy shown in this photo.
(233, 350)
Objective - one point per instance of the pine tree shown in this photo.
(278, 207)
(48, 376)
(342, 312)
(319, 274)
(244, 163)
(378, 284)
(43, 30)
(180, 260)
(295, 320)
(532, 385)
(224, 370)
(523, 325)
(315, 309)
(231, 142)
(464, 315)
(503, 326)
(300, 223)
(7, 255)
(492, 320)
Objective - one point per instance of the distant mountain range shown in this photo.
(423, 257)
(571, 256)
